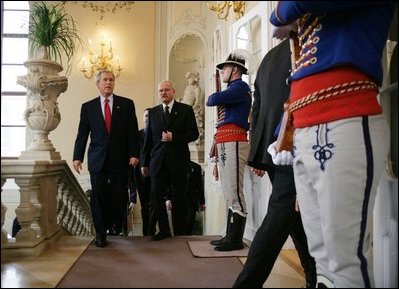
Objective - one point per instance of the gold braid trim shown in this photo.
(335, 90)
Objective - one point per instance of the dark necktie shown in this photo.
(107, 115)
(167, 115)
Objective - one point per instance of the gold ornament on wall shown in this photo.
(222, 8)
(102, 7)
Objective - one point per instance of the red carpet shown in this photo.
(138, 262)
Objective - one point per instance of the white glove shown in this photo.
(283, 158)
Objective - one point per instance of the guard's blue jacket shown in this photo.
(236, 102)
(360, 29)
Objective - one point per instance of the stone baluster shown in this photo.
(4, 238)
(26, 211)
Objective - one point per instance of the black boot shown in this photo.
(233, 240)
(311, 278)
(309, 266)
(228, 226)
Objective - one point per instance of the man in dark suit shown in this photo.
(171, 127)
(111, 123)
(281, 220)
(143, 186)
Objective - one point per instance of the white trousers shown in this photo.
(337, 167)
(232, 158)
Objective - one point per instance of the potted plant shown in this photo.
(53, 32)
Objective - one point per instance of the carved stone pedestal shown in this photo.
(43, 85)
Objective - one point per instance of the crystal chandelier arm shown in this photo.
(104, 60)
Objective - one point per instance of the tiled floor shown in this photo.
(47, 270)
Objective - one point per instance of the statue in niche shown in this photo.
(193, 96)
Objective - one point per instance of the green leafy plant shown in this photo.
(54, 32)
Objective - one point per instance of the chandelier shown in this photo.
(222, 8)
(103, 60)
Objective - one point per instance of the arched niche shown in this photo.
(187, 54)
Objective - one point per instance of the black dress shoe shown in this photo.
(101, 243)
(311, 278)
(161, 236)
(101, 240)
(218, 242)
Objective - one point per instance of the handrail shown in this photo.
(51, 203)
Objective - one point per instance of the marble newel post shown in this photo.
(43, 85)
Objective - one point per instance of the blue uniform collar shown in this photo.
(233, 81)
